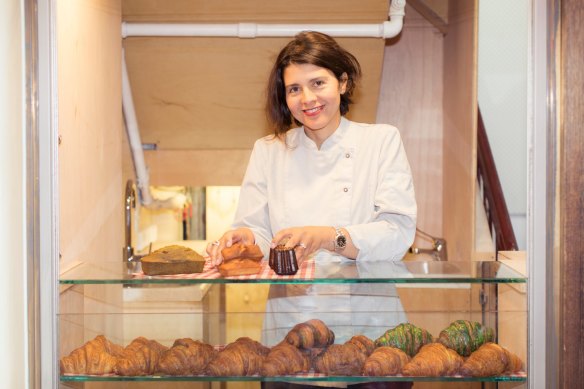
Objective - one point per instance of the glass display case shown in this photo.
(118, 301)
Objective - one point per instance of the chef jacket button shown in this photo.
(345, 190)
(348, 155)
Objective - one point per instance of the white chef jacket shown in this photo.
(359, 179)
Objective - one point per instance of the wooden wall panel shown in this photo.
(197, 167)
(411, 99)
(571, 206)
(261, 11)
(90, 152)
(90, 128)
(460, 118)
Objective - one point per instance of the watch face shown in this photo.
(341, 241)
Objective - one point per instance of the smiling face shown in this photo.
(313, 95)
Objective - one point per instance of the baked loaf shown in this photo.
(283, 260)
(407, 337)
(491, 360)
(464, 336)
(240, 260)
(343, 359)
(433, 360)
(97, 356)
(285, 359)
(172, 259)
(244, 357)
(186, 357)
(384, 361)
(312, 333)
(140, 358)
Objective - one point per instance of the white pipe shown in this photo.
(388, 29)
(142, 177)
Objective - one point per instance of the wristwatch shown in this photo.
(340, 241)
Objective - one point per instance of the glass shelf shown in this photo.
(353, 379)
(326, 272)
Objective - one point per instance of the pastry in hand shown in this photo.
(140, 358)
(385, 361)
(96, 357)
(240, 250)
(433, 360)
(240, 260)
(283, 260)
(312, 333)
(491, 360)
(405, 336)
(464, 336)
(186, 357)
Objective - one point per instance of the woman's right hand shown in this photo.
(241, 235)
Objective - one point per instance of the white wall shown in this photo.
(13, 326)
(502, 95)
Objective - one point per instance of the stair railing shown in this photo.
(492, 193)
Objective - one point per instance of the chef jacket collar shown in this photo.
(335, 138)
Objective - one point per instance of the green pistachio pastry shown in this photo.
(407, 337)
(464, 336)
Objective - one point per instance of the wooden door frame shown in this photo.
(571, 186)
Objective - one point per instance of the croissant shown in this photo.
(243, 357)
(344, 359)
(140, 357)
(97, 356)
(312, 333)
(491, 360)
(405, 336)
(465, 336)
(384, 361)
(186, 357)
(433, 360)
(364, 344)
(285, 359)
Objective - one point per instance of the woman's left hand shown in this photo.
(305, 240)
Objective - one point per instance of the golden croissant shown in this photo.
(140, 358)
(285, 359)
(491, 360)
(384, 361)
(434, 360)
(243, 357)
(344, 359)
(364, 344)
(312, 333)
(186, 357)
(97, 356)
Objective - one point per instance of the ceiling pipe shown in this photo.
(142, 177)
(385, 30)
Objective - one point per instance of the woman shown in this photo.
(328, 187)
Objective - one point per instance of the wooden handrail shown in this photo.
(493, 197)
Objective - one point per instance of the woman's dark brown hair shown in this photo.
(315, 48)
